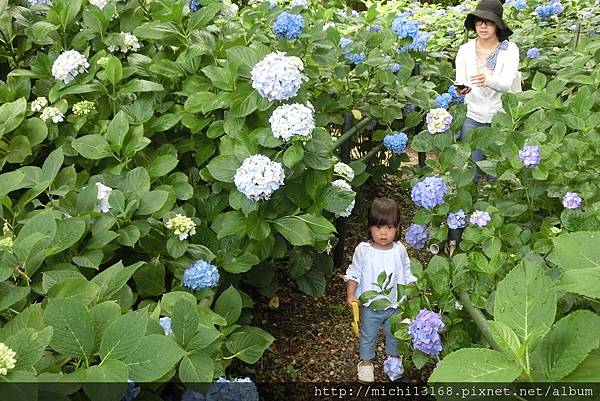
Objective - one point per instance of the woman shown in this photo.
(486, 67)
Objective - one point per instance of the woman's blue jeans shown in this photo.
(477, 154)
(370, 324)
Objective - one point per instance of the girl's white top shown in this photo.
(483, 102)
(369, 262)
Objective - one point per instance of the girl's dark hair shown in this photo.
(383, 212)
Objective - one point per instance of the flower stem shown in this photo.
(348, 134)
(480, 320)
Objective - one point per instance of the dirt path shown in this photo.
(314, 342)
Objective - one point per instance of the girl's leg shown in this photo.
(370, 322)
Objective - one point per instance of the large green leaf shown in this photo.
(506, 338)
(312, 283)
(475, 365)
(229, 305)
(113, 279)
(153, 358)
(29, 346)
(561, 351)
(92, 147)
(117, 130)
(223, 167)
(295, 230)
(123, 335)
(78, 288)
(11, 182)
(109, 371)
(68, 232)
(248, 344)
(204, 102)
(11, 294)
(184, 321)
(73, 327)
(525, 301)
(152, 201)
(196, 368)
(588, 371)
(11, 115)
(578, 250)
(337, 199)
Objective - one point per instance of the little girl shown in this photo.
(382, 253)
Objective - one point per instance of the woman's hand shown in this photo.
(478, 80)
(462, 90)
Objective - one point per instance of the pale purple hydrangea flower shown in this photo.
(457, 220)
(429, 193)
(534, 52)
(258, 177)
(393, 368)
(417, 236)
(480, 218)
(438, 120)
(530, 156)
(424, 331)
(572, 200)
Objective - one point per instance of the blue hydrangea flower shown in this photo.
(200, 274)
(193, 5)
(165, 323)
(572, 200)
(557, 8)
(530, 156)
(456, 97)
(36, 2)
(288, 26)
(408, 108)
(417, 236)
(418, 44)
(534, 52)
(457, 220)
(429, 193)
(375, 28)
(356, 58)
(234, 390)
(404, 28)
(443, 101)
(396, 142)
(344, 42)
(480, 218)
(520, 5)
(394, 68)
(132, 391)
(424, 331)
(543, 12)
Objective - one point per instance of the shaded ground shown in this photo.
(314, 342)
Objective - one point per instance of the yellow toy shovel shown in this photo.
(356, 319)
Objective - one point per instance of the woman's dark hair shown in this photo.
(383, 212)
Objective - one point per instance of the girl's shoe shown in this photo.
(365, 373)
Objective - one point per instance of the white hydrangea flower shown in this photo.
(83, 108)
(130, 43)
(70, 63)
(343, 184)
(52, 113)
(6, 243)
(7, 359)
(299, 3)
(328, 25)
(183, 226)
(229, 9)
(99, 3)
(277, 76)
(458, 305)
(103, 194)
(344, 171)
(258, 177)
(292, 121)
(38, 104)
